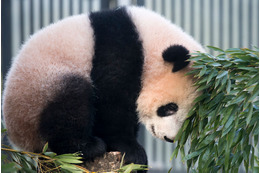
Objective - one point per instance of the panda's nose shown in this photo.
(168, 140)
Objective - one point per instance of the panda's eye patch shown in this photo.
(167, 110)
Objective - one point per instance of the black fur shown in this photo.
(102, 116)
(116, 75)
(66, 123)
(167, 110)
(178, 55)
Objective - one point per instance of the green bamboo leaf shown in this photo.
(203, 71)
(255, 93)
(201, 88)
(9, 167)
(240, 98)
(227, 160)
(252, 160)
(209, 139)
(207, 159)
(230, 50)
(229, 122)
(182, 154)
(207, 55)
(196, 57)
(215, 101)
(256, 140)
(235, 159)
(198, 66)
(191, 72)
(70, 160)
(229, 111)
(70, 167)
(50, 154)
(202, 124)
(253, 80)
(217, 82)
(227, 64)
(256, 130)
(222, 74)
(177, 137)
(214, 64)
(216, 122)
(201, 97)
(247, 68)
(194, 154)
(238, 137)
(256, 169)
(133, 167)
(249, 114)
(211, 75)
(45, 148)
(202, 81)
(184, 138)
(175, 152)
(186, 123)
(246, 152)
(215, 49)
(227, 129)
(228, 88)
(122, 161)
(189, 162)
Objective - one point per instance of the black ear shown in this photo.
(178, 55)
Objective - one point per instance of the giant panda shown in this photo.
(85, 83)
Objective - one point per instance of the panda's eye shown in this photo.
(167, 110)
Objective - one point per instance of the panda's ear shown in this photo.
(178, 55)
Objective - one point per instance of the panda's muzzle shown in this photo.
(167, 110)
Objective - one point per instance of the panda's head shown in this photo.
(167, 95)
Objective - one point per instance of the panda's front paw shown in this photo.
(136, 154)
(92, 148)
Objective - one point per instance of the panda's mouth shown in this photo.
(167, 139)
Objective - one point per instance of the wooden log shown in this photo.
(110, 162)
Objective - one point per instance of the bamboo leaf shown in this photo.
(175, 153)
(228, 88)
(202, 71)
(250, 113)
(194, 154)
(211, 75)
(214, 64)
(221, 74)
(45, 148)
(215, 49)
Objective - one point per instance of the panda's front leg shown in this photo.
(134, 152)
